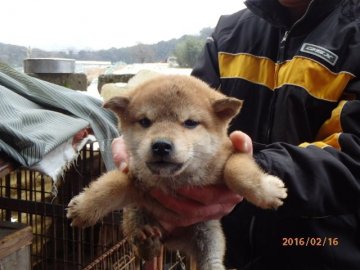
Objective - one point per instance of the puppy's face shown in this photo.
(173, 125)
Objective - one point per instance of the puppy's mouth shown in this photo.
(164, 168)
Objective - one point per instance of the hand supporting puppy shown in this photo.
(191, 205)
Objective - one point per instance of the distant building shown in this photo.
(172, 61)
(83, 66)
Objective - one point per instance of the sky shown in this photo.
(94, 24)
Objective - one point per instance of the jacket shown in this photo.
(301, 90)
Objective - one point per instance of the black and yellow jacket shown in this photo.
(301, 90)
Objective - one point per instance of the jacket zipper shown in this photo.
(280, 59)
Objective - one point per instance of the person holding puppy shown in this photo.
(295, 63)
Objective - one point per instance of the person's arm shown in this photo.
(322, 177)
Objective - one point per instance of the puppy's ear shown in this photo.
(227, 108)
(117, 104)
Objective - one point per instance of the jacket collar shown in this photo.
(276, 14)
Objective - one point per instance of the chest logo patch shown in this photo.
(321, 52)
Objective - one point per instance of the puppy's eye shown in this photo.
(145, 122)
(191, 124)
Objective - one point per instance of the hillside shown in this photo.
(140, 53)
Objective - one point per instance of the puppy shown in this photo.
(175, 130)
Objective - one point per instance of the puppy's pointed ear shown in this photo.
(117, 104)
(227, 108)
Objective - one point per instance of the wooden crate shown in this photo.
(15, 241)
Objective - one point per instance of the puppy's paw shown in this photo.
(147, 242)
(270, 193)
(78, 212)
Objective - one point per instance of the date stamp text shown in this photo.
(310, 241)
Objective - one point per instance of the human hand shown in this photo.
(197, 204)
(119, 153)
(192, 205)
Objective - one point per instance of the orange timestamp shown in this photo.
(310, 241)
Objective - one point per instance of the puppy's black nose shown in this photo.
(162, 147)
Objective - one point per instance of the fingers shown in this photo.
(166, 217)
(178, 205)
(209, 194)
(241, 142)
(179, 211)
(120, 155)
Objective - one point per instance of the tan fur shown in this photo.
(190, 155)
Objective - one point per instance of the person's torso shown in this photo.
(290, 82)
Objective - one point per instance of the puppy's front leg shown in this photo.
(245, 177)
(112, 191)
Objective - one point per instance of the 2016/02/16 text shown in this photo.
(310, 241)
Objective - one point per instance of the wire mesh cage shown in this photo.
(28, 197)
(117, 258)
(32, 198)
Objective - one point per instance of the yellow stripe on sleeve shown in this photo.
(330, 131)
(331, 141)
(333, 124)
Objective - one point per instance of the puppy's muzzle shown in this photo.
(161, 162)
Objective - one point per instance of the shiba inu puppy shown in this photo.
(175, 130)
